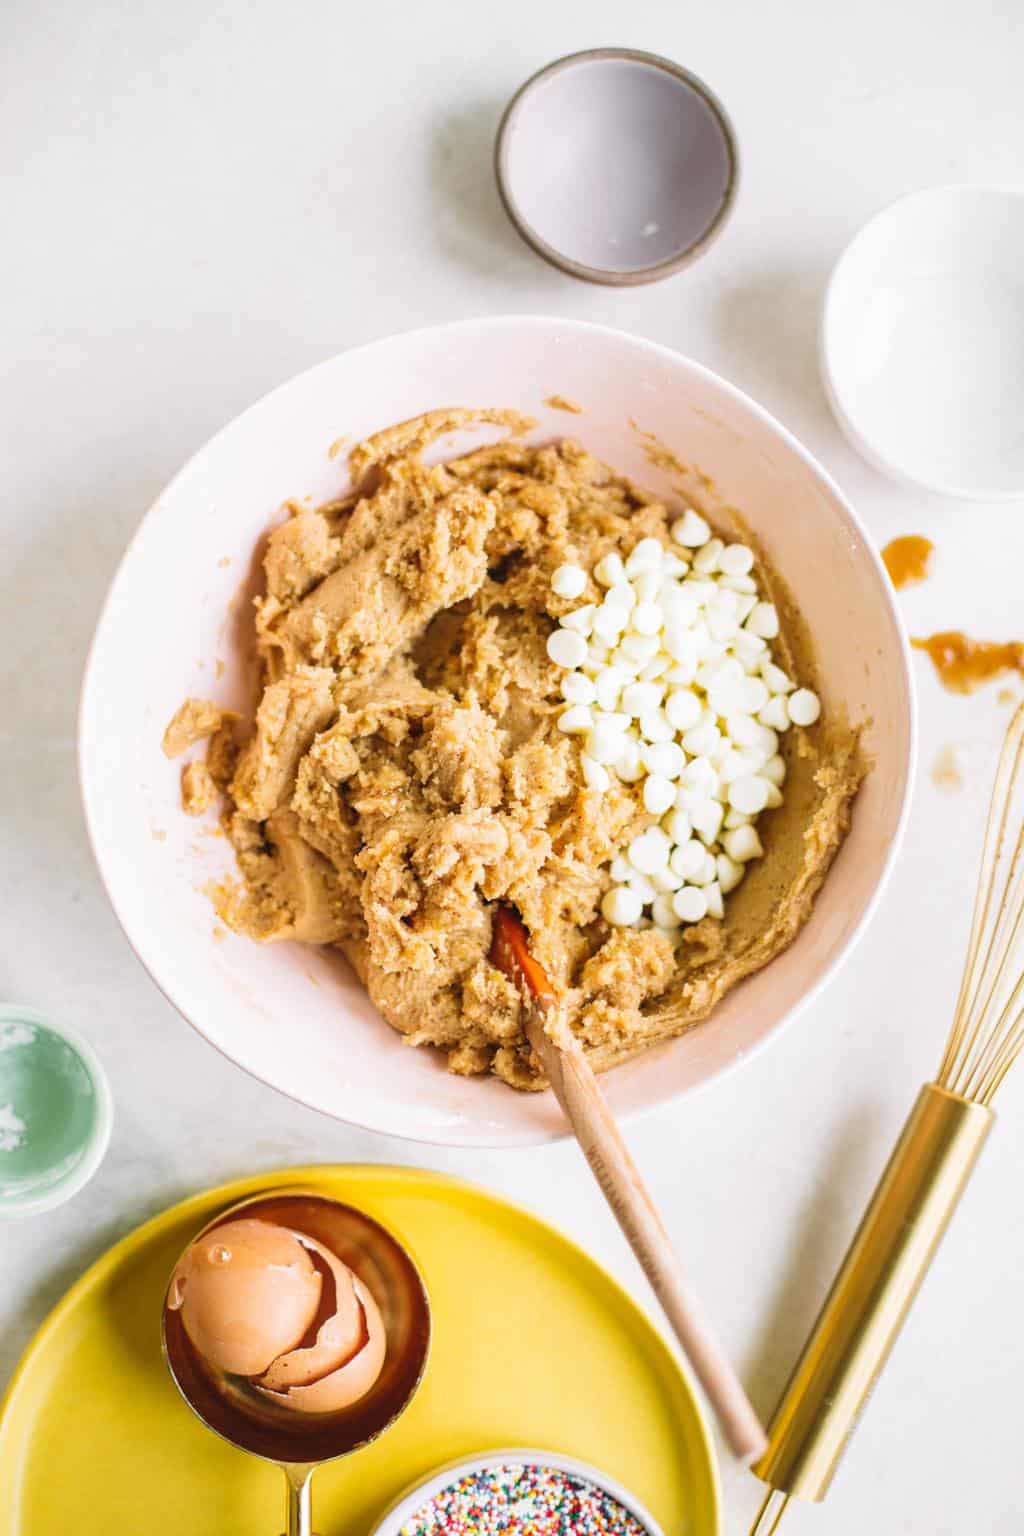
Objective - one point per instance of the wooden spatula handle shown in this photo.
(577, 1091)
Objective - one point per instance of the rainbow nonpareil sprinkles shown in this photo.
(518, 1500)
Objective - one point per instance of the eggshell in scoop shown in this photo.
(247, 1292)
(351, 1381)
(337, 1340)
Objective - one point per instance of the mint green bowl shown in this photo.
(56, 1113)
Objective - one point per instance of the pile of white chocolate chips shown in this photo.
(670, 680)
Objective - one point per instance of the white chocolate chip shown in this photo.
(595, 774)
(742, 730)
(655, 668)
(730, 873)
(663, 912)
(775, 713)
(774, 770)
(609, 684)
(804, 707)
(638, 698)
(680, 604)
(659, 794)
(701, 740)
(606, 740)
(577, 720)
(700, 775)
(648, 852)
(687, 859)
(622, 597)
(706, 820)
(654, 726)
(609, 570)
(736, 560)
(581, 620)
(690, 904)
(691, 530)
(644, 887)
(748, 794)
(707, 871)
(569, 581)
(763, 621)
(609, 622)
(666, 758)
(705, 561)
(578, 689)
(678, 826)
(748, 648)
(647, 556)
(775, 680)
(742, 844)
(755, 694)
(647, 618)
(683, 710)
(621, 906)
(628, 765)
(640, 648)
(566, 649)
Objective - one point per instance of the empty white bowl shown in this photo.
(616, 166)
(295, 1016)
(922, 341)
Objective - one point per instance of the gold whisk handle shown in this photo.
(873, 1292)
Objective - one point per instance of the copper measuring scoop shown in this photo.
(300, 1442)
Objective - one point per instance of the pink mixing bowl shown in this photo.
(294, 1016)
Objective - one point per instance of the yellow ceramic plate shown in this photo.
(533, 1345)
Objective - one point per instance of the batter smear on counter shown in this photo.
(408, 767)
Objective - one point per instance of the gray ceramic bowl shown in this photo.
(616, 166)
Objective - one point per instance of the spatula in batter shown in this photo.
(576, 1089)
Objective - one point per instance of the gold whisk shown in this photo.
(922, 1184)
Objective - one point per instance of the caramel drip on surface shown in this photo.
(947, 771)
(907, 559)
(964, 664)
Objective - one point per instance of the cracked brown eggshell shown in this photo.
(247, 1291)
(349, 1383)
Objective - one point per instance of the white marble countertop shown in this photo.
(203, 198)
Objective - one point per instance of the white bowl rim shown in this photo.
(534, 1137)
(831, 376)
(95, 1148)
(391, 1522)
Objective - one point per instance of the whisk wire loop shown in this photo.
(987, 1034)
(769, 1515)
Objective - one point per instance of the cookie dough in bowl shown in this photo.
(397, 729)
(417, 756)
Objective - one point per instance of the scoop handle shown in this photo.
(298, 1498)
(577, 1091)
